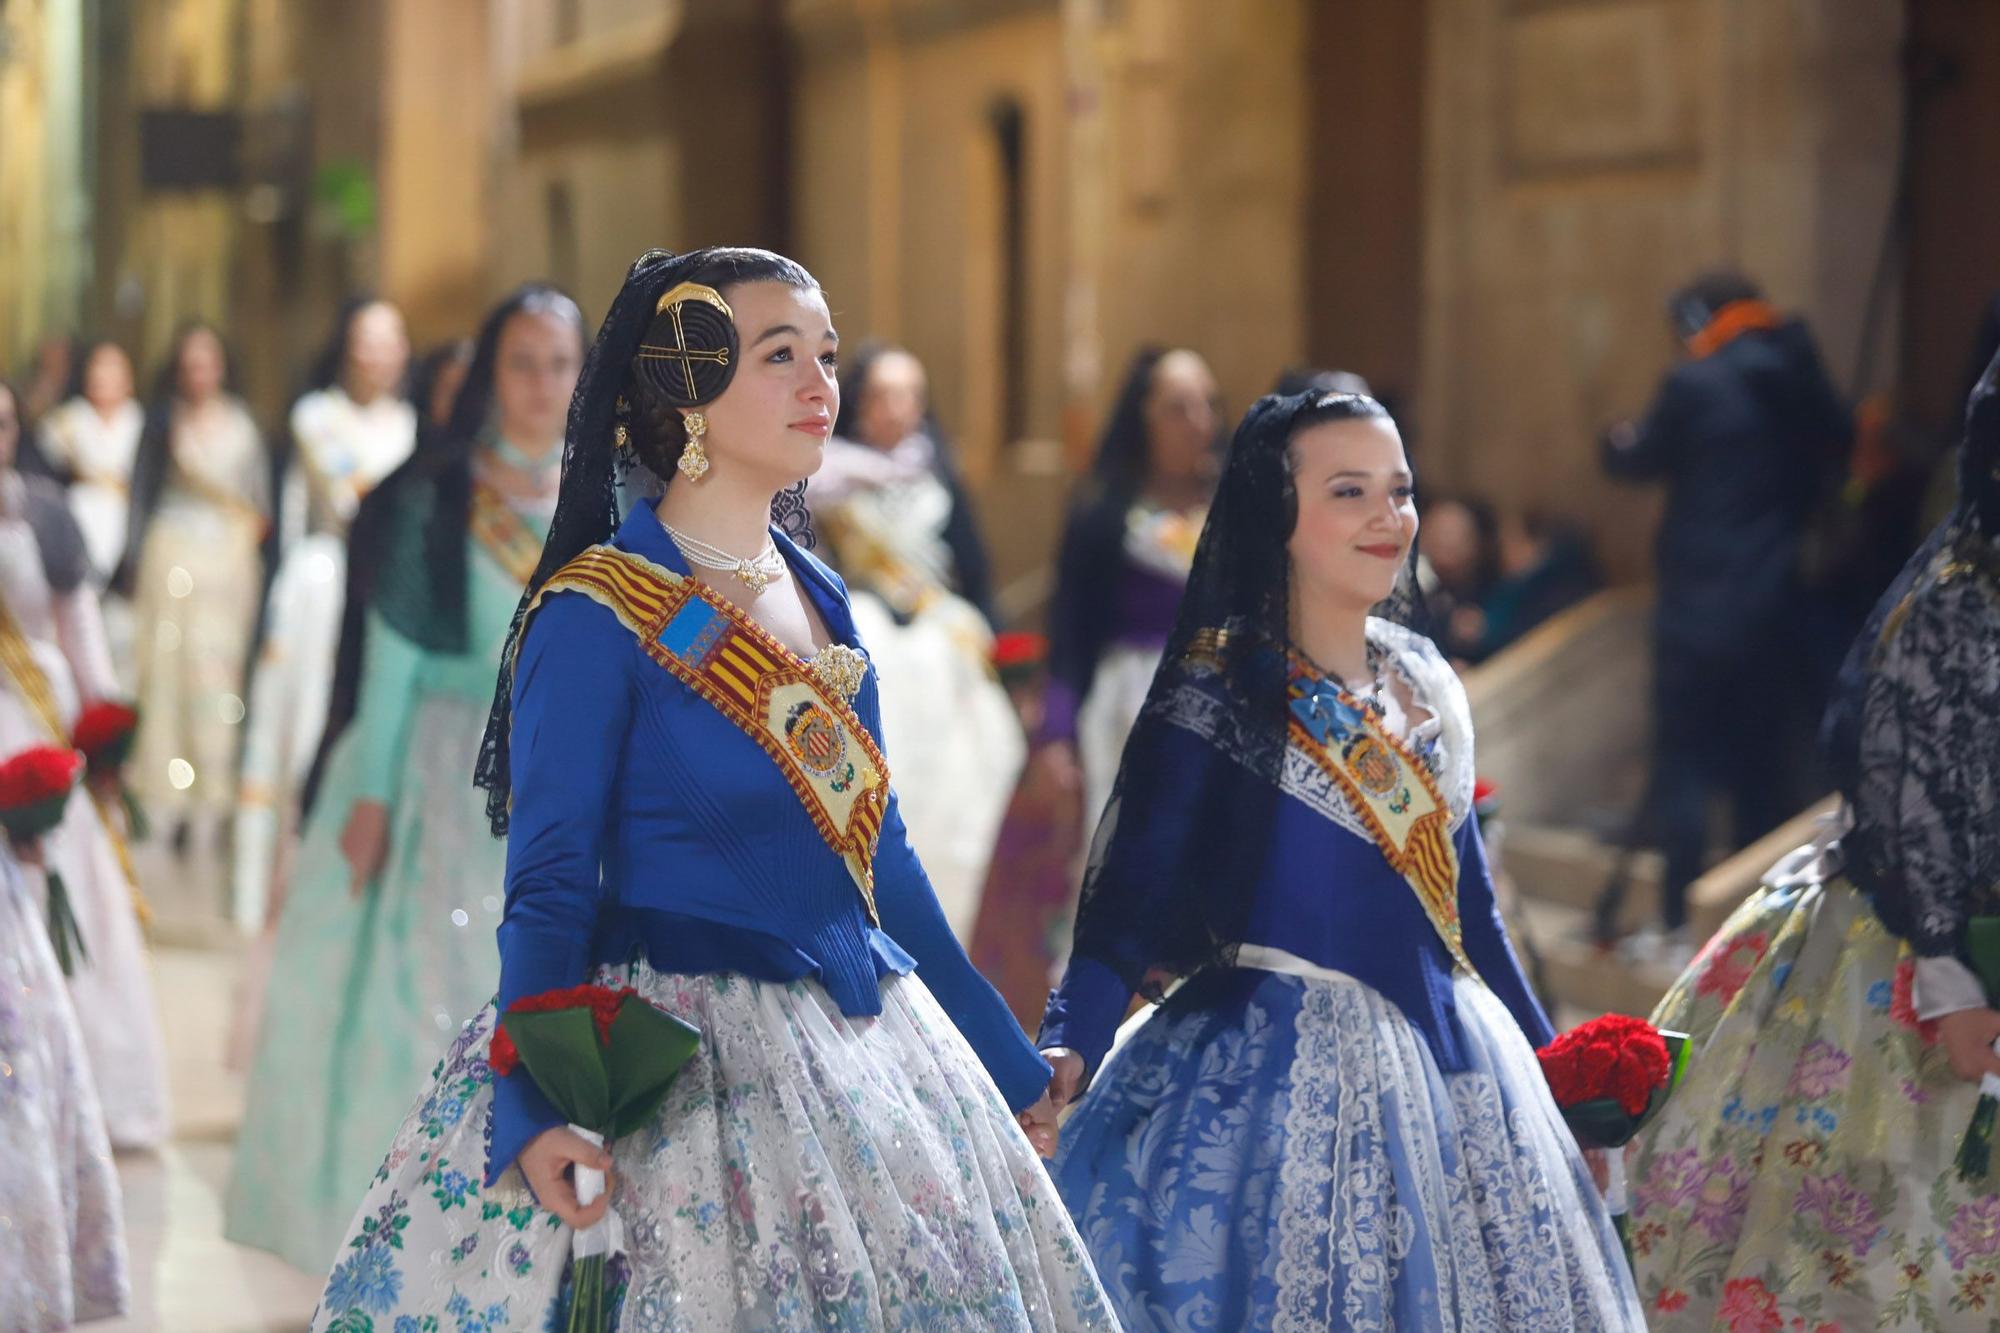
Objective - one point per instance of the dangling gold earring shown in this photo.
(694, 459)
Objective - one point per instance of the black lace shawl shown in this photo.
(1913, 731)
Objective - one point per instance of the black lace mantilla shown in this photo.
(1926, 778)
(1914, 727)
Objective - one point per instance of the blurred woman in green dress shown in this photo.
(386, 943)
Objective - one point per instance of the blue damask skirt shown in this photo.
(1282, 1152)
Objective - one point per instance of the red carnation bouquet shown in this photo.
(1610, 1076)
(1018, 655)
(105, 733)
(604, 1058)
(35, 786)
(1975, 1150)
(1485, 801)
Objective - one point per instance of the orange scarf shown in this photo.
(1732, 322)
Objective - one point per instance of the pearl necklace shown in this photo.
(756, 573)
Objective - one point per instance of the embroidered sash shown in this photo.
(504, 533)
(213, 492)
(807, 728)
(872, 563)
(17, 659)
(1391, 790)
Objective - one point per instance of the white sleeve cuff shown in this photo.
(1945, 986)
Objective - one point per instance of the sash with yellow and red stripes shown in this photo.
(811, 733)
(1393, 793)
(505, 535)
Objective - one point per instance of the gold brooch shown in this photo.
(840, 668)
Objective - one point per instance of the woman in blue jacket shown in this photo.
(682, 757)
(1337, 1119)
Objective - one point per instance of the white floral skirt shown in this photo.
(807, 1170)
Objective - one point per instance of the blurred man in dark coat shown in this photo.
(1749, 436)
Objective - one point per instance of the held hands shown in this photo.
(1968, 1039)
(1599, 1162)
(547, 1163)
(365, 842)
(1039, 1121)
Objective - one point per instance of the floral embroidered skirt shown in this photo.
(62, 1231)
(807, 1170)
(1802, 1175)
(1275, 1152)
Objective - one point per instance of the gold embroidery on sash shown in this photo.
(808, 729)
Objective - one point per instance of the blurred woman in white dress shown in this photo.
(53, 661)
(900, 528)
(89, 444)
(348, 432)
(201, 504)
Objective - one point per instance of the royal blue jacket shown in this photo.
(647, 824)
(1323, 891)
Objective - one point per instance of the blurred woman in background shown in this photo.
(385, 942)
(1124, 562)
(900, 528)
(348, 432)
(53, 662)
(201, 504)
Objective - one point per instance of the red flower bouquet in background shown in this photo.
(35, 786)
(1609, 1075)
(1018, 655)
(105, 733)
(604, 1058)
(1485, 801)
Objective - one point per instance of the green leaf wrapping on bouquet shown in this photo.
(559, 1048)
(27, 822)
(1975, 1150)
(648, 1048)
(1982, 945)
(65, 936)
(135, 814)
(1602, 1123)
(1678, 1048)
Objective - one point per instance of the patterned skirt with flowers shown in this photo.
(1802, 1175)
(808, 1170)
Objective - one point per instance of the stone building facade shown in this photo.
(1479, 204)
